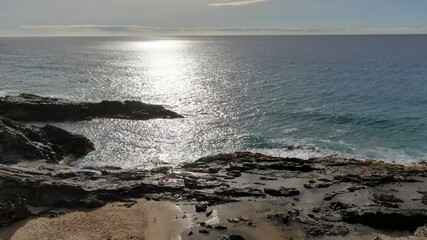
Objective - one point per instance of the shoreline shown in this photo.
(229, 196)
(247, 194)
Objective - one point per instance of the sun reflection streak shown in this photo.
(168, 65)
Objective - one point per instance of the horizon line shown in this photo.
(212, 35)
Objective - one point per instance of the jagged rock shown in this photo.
(281, 218)
(372, 180)
(319, 228)
(378, 217)
(204, 231)
(387, 200)
(247, 162)
(282, 192)
(240, 192)
(221, 227)
(233, 220)
(19, 142)
(29, 107)
(201, 207)
(424, 199)
(421, 232)
(13, 211)
(326, 229)
(232, 237)
(330, 196)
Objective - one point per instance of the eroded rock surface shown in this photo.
(19, 142)
(342, 194)
(29, 107)
(12, 211)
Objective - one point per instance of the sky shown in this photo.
(210, 17)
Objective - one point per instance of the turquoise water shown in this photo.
(359, 96)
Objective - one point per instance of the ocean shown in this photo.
(299, 96)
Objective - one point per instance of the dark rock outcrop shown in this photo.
(387, 218)
(29, 107)
(12, 211)
(19, 142)
(282, 192)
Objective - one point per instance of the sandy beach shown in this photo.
(146, 220)
(160, 220)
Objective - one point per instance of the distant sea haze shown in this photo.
(358, 96)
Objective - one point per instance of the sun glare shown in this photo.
(169, 65)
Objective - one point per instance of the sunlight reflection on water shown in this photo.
(175, 82)
(361, 96)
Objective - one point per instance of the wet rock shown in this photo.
(209, 213)
(330, 196)
(339, 230)
(267, 178)
(29, 107)
(340, 206)
(220, 227)
(233, 220)
(282, 192)
(313, 185)
(373, 180)
(355, 188)
(211, 199)
(386, 198)
(19, 142)
(291, 167)
(233, 237)
(55, 213)
(240, 192)
(378, 217)
(246, 161)
(320, 228)
(13, 211)
(204, 231)
(424, 199)
(234, 173)
(213, 170)
(201, 207)
(323, 185)
(309, 186)
(190, 183)
(281, 218)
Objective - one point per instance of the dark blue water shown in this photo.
(359, 96)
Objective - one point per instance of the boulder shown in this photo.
(19, 142)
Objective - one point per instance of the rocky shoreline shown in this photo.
(325, 196)
(229, 196)
(19, 142)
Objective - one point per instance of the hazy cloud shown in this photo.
(235, 3)
(109, 28)
(147, 30)
(141, 28)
